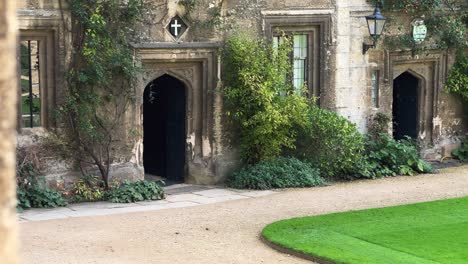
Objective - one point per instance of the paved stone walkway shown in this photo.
(178, 196)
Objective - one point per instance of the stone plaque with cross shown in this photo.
(176, 27)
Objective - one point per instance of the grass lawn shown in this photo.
(433, 232)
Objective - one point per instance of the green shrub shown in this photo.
(388, 157)
(88, 189)
(276, 173)
(129, 192)
(461, 153)
(31, 191)
(331, 143)
(261, 100)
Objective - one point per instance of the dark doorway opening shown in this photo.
(405, 106)
(164, 114)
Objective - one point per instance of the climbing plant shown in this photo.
(446, 21)
(457, 81)
(100, 80)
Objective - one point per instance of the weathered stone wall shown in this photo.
(343, 74)
(45, 20)
(8, 87)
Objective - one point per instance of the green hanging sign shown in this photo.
(419, 30)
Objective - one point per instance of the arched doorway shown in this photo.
(405, 106)
(164, 134)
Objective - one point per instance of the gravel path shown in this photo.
(220, 233)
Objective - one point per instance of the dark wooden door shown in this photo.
(405, 106)
(175, 133)
(164, 121)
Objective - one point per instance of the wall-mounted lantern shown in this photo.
(375, 23)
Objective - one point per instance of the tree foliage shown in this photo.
(260, 98)
(100, 82)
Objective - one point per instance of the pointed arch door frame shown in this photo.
(430, 70)
(197, 67)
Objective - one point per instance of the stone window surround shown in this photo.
(46, 39)
(373, 68)
(397, 63)
(319, 28)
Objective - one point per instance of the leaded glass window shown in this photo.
(300, 54)
(30, 84)
(375, 88)
(299, 58)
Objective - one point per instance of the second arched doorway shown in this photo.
(405, 106)
(164, 132)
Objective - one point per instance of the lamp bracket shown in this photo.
(366, 47)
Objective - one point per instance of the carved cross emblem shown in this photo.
(176, 27)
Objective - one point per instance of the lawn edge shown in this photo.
(292, 252)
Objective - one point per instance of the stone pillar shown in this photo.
(351, 65)
(344, 89)
(8, 107)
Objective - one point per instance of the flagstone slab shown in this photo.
(178, 196)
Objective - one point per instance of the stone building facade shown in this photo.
(182, 56)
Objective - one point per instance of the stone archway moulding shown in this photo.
(430, 70)
(196, 66)
(410, 70)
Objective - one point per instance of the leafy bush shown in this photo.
(88, 189)
(31, 190)
(331, 143)
(388, 157)
(276, 173)
(260, 99)
(129, 192)
(457, 81)
(461, 153)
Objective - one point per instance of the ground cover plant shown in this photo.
(276, 173)
(385, 156)
(88, 188)
(461, 152)
(129, 192)
(432, 232)
(91, 189)
(32, 191)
